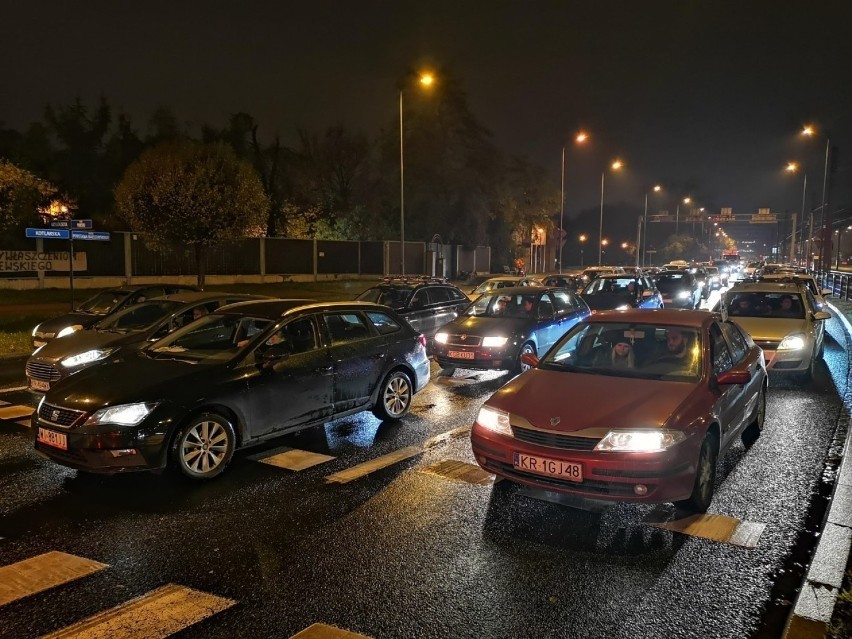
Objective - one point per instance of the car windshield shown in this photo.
(519, 305)
(647, 351)
(394, 296)
(102, 303)
(138, 317)
(755, 304)
(212, 338)
(611, 285)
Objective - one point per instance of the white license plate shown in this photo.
(461, 354)
(38, 344)
(37, 384)
(52, 438)
(551, 467)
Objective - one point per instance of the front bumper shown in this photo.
(788, 361)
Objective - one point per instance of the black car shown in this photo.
(99, 306)
(425, 303)
(621, 292)
(679, 289)
(129, 329)
(243, 374)
(499, 327)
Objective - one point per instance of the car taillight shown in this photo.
(422, 339)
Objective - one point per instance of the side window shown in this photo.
(439, 294)
(719, 351)
(546, 308)
(563, 302)
(300, 335)
(420, 299)
(345, 327)
(456, 294)
(383, 323)
(812, 303)
(736, 340)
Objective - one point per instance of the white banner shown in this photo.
(30, 261)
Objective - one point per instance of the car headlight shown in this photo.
(123, 415)
(684, 294)
(493, 419)
(69, 329)
(441, 338)
(640, 441)
(792, 342)
(86, 358)
(35, 330)
(494, 340)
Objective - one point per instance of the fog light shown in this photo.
(640, 489)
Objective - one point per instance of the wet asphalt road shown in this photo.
(406, 553)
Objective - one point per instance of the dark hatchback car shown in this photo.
(115, 335)
(99, 306)
(679, 289)
(621, 292)
(425, 303)
(499, 327)
(243, 374)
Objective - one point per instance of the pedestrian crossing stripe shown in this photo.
(324, 631)
(460, 471)
(371, 466)
(721, 528)
(24, 422)
(159, 613)
(2, 403)
(41, 573)
(292, 458)
(14, 412)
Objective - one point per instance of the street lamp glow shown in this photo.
(657, 188)
(426, 79)
(617, 164)
(791, 167)
(624, 245)
(582, 136)
(604, 242)
(687, 200)
(808, 131)
(583, 238)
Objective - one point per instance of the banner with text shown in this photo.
(31, 261)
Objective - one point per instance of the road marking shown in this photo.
(721, 528)
(14, 412)
(292, 458)
(13, 389)
(2, 403)
(41, 573)
(460, 471)
(324, 631)
(159, 613)
(24, 422)
(361, 470)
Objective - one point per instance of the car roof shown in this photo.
(513, 290)
(132, 288)
(276, 308)
(188, 297)
(767, 287)
(667, 316)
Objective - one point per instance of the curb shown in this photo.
(815, 603)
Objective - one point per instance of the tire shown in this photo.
(447, 371)
(394, 398)
(520, 367)
(808, 374)
(755, 428)
(705, 477)
(204, 446)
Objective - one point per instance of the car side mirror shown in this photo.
(822, 315)
(529, 359)
(827, 291)
(733, 377)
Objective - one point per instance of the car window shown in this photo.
(103, 303)
(138, 317)
(147, 293)
(299, 335)
(439, 294)
(343, 328)
(394, 296)
(546, 307)
(214, 337)
(383, 322)
(455, 293)
(420, 299)
(722, 360)
(736, 341)
(563, 301)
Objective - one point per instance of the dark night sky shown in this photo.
(704, 97)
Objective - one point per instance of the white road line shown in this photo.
(41, 573)
(292, 458)
(324, 631)
(13, 389)
(15, 412)
(721, 528)
(460, 471)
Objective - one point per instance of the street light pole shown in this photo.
(562, 211)
(600, 225)
(644, 232)
(824, 258)
(401, 193)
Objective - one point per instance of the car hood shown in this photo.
(56, 324)
(135, 379)
(607, 301)
(83, 341)
(590, 403)
(771, 328)
(482, 326)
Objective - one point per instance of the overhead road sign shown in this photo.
(50, 234)
(100, 236)
(60, 224)
(81, 224)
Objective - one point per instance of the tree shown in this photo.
(22, 194)
(194, 195)
(682, 247)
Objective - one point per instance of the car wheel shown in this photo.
(809, 373)
(395, 396)
(520, 367)
(755, 428)
(204, 446)
(705, 477)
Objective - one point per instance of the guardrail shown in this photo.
(840, 283)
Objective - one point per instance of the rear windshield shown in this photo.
(395, 297)
(103, 303)
(138, 317)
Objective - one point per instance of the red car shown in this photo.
(633, 405)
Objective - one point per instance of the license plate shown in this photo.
(461, 354)
(551, 467)
(52, 438)
(38, 344)
(37, 384)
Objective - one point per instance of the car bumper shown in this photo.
(636, 477)
(481, 361)
(788, 361)
(677, 302)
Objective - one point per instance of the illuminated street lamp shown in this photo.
(686, 200)
(580, 138)
(426, 80)
(657, 188)
(615, 166)
(824, 259)
(793, 167)
(582, 239)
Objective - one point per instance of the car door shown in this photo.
(419, 314)
(291, 382)
(443, 308)
(358, 357)
(731, 397)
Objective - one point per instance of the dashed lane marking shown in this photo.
(324, 631)
(2, 403)
(159, 613)
(14, 389)
(41, 573)
(721, 528)
(460, 471)
(24, 422)
(361, 470)
(292, 458)
(14, 412)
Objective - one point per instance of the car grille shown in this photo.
(464, 340)
(58, 416)
(554, 440)
(768, 344)
(44, 372)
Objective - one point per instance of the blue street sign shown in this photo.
(60, 224)
(81, 224)
(52, 234)
(101, 236)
